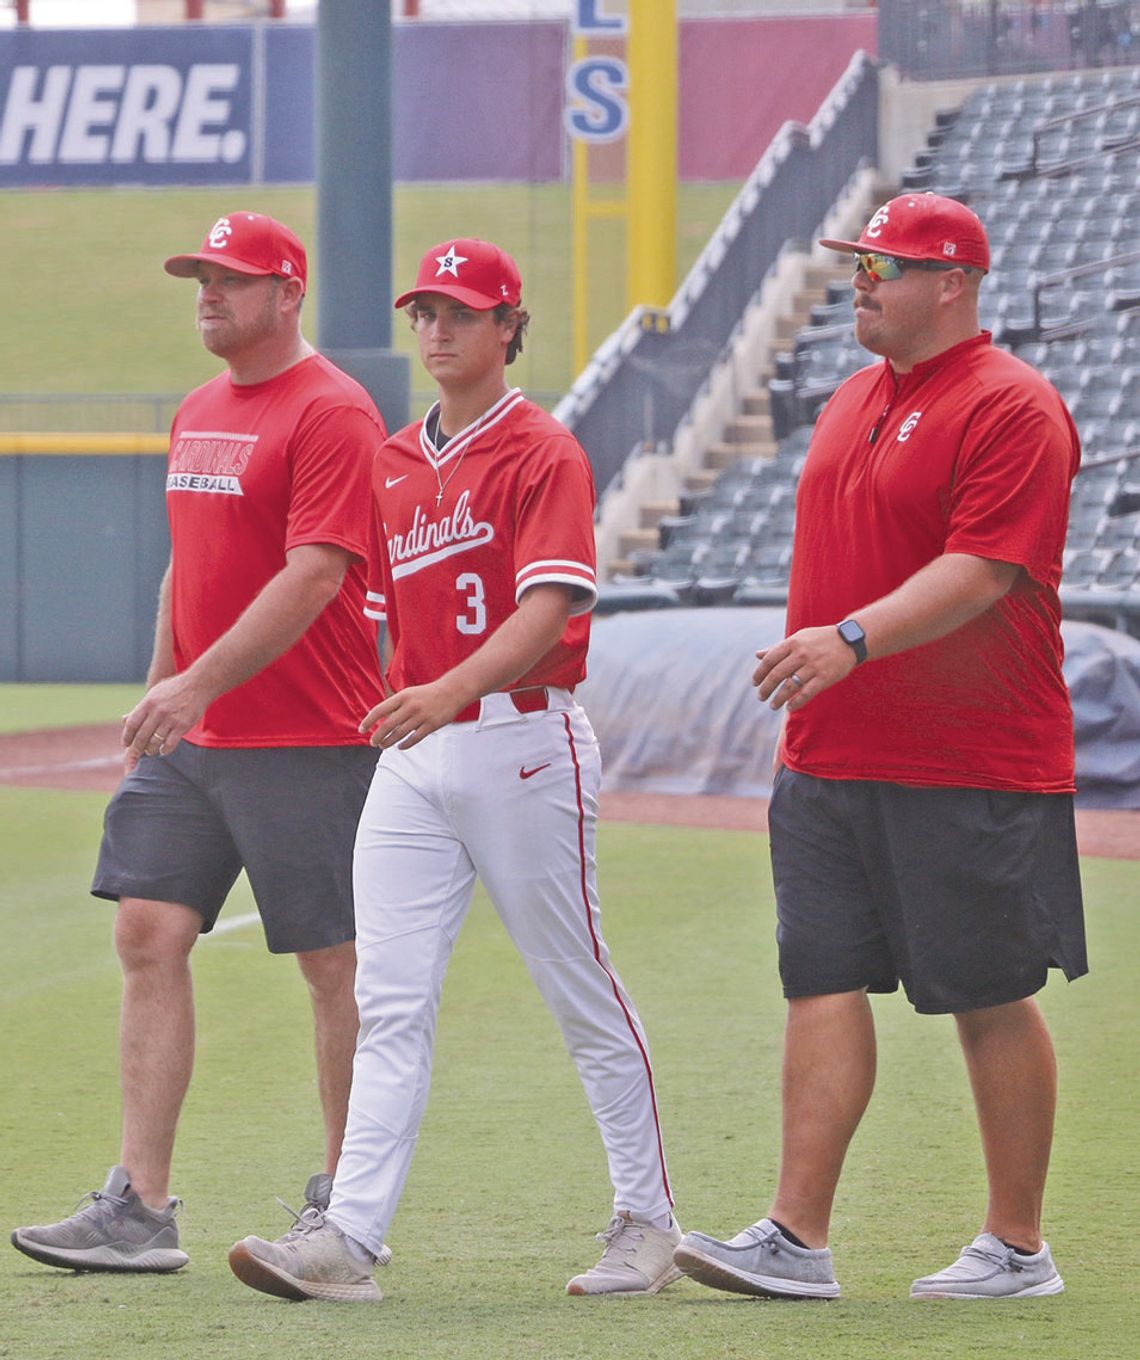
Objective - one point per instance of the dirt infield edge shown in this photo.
(90, 758)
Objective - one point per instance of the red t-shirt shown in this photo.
(255, 471)
(973, 452)
(460, 534)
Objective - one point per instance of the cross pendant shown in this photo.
(439, 496)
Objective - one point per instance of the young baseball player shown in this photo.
(484, 576)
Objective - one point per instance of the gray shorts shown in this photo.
(966, 896)
(181, 827)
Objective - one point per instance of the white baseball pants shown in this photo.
(511, 799)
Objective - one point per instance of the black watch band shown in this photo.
(855, 638)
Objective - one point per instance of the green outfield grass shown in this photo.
(509, 1183)
(89, 308)
(23, 708)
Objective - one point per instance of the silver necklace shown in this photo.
(444, 482)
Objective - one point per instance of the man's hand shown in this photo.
(412, 714)
(794, 671)
(162, 717)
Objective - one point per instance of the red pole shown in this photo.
(22, 7)
(277, 9)
(195, 9)
(411, 9)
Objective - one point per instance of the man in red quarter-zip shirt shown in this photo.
(922, 821)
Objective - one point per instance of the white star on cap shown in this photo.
(449, 262)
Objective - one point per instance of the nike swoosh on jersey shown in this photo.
(390, 482)
(524, 773)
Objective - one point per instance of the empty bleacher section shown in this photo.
(1051, 166)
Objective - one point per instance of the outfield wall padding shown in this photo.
(83, 546)
(670, 696)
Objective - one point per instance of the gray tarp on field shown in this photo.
(670, 698)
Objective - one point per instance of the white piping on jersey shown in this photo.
(585, 591)
(218, 434)
(380, 611)
(457, 445)
(583, 567)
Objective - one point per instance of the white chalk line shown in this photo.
(233, 923)
(59, 767)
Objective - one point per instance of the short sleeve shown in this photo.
(331, 495)
(1010, 497)
(554, 538)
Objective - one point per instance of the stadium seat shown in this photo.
(732, 542)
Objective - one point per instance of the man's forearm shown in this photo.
(521, 641)
(516, 645)
(937, 600)
(279, 615)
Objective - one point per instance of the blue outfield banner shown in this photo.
(237, 104)
(126, 106)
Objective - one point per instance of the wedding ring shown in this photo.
(795, 679)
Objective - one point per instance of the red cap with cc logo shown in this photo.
(924, 227)
(249, 243)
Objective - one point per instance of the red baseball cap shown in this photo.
(249, 243)
(471, 271)
(924, 227)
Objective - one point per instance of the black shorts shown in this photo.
(968, 896)
(181, 827)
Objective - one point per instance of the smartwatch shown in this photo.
(854, 637)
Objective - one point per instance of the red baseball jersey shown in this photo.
(971, 452)
(461, 532)
(255, 471)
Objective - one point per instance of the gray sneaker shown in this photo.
(312, 1261)
(988, 1269)
(760, 1260)
(115, 1232)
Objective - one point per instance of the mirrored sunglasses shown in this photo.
(883, 268)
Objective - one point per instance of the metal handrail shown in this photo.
(1039, 282)
(1033, 168)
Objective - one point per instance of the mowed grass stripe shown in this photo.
(509, 1182)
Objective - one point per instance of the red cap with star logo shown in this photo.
(248, 243)
(473, 272)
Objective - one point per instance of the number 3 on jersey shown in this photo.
(475, 620)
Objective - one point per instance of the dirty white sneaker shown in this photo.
(318, 1193)
(988, 1269)
(312, 1261)
(638, 1259)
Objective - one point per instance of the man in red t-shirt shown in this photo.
(245, 751)
(483, 572)
(922, 820)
